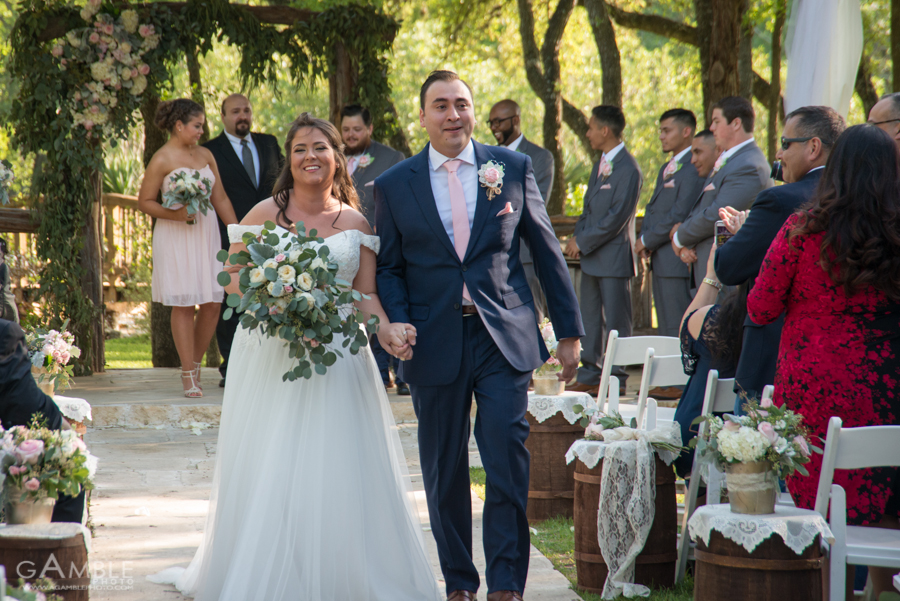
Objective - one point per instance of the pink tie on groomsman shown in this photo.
(460, 213)
(351, 164)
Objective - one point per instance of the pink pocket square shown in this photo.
(711, 186)
(606, 187)
(669, 185)
(506, 210)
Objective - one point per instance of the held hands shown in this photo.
(398, 339)
(572, 249)
(568, 352)
(733, 218)
(687, 255)
(641, 250)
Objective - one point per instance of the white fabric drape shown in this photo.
(823, 45)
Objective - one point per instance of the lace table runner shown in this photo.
(627, 501)
(73, 409)
(543, 407)
(797, 527)
(53, 531)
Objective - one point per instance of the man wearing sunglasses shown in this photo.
(886, 115)
(809, 134)
(506, 127)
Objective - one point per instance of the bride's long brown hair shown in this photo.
(342, 186)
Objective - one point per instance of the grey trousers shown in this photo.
(671, 296)
(540, 303)
(605, 305)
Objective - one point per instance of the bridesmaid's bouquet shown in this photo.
(295, 294)
(188, 189)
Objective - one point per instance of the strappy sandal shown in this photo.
(193, 392)
(196, 371)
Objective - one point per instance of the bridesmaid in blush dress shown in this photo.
(185, 246)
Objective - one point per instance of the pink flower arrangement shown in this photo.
(490, 175)
(32, 484)
(720, 162)
(671, 168)
(606, 168)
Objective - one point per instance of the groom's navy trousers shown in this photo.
(501, 395)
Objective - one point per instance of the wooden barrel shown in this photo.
(772, 571)
(551, 483)
(655, 566)
(64, 561)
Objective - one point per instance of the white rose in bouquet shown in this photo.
(294, 256)
(286, 274)
(270, 263)
(304, 282)
(257, 276)
(318, 263)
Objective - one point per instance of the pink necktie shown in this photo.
(351, 164)
(460, 213)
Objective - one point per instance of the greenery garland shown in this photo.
(68, 104)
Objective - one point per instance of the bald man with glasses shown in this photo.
(886, 115)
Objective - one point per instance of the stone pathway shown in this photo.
(149, 507)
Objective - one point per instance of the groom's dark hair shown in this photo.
(440, 76)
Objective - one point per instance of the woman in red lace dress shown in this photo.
(834, 270)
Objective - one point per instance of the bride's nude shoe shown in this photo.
(193, 392)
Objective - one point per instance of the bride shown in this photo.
(310, 496)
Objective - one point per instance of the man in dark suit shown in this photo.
(678, 185)
(604, 241)
(366, 160)
(449, 265)
(740, 173)
(505, 124)
(248, 165)
(809, 134)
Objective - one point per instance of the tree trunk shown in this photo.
(193, 62)
(92, 280)
(703, 11)
(775, 86)
(745, 57)
(725, 42)
(610, 61)
(895, 45)
(162, 346)
(864, 86)
(341, 83)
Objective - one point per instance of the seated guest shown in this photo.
(809, 134)
(21, 399)
(834, 271)
(711, 337)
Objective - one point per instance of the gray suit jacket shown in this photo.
(670, 204)
(605, 230)
(744, 175)
(542, 163)
(383, 158)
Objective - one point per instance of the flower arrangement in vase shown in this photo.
(50, 352)
(545, 380)
(755, 450)
(37, 465)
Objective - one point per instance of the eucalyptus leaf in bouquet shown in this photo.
(295, 294)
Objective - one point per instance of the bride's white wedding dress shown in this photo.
(310, 498)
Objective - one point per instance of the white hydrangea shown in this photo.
(140, 84)
(747, 444)
(129, 20)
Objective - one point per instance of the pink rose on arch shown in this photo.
(94, 37)
(145, 30)
(118, 86)
(767, 430)
(29, 451)
(108, 29)
(32, 484)
(801, 442)
(88, 124)
(731, 426)
(57, 51)
(64, 62)
(134, 73)
(491, 175)
(144, 69)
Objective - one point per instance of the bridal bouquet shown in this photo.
(51, 351)
(6, 176)
(552, 366)
(188, 189)
(43, 463)
(295, 294)
(766, 433)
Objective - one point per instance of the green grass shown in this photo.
(132, 352)
(555, 538)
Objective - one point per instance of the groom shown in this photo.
(449, 265)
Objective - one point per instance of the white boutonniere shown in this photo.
(606, 170)
(491, 177)
(365, 160)
(671, 169)
(720, 162)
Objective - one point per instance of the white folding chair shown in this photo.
(630, 351)
(660, 370)
(850, 449)
(718, 398)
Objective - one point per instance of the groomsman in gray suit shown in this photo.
(604, 240)
(505, 124)
(740, 173)
(678, 185)
(366, 160)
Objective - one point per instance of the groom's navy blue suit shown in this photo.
(491, 354)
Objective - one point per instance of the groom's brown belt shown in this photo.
(469, 310)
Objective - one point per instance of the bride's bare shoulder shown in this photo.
(351, 219)
(265, 210)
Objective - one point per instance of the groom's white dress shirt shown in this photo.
(468, 175)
